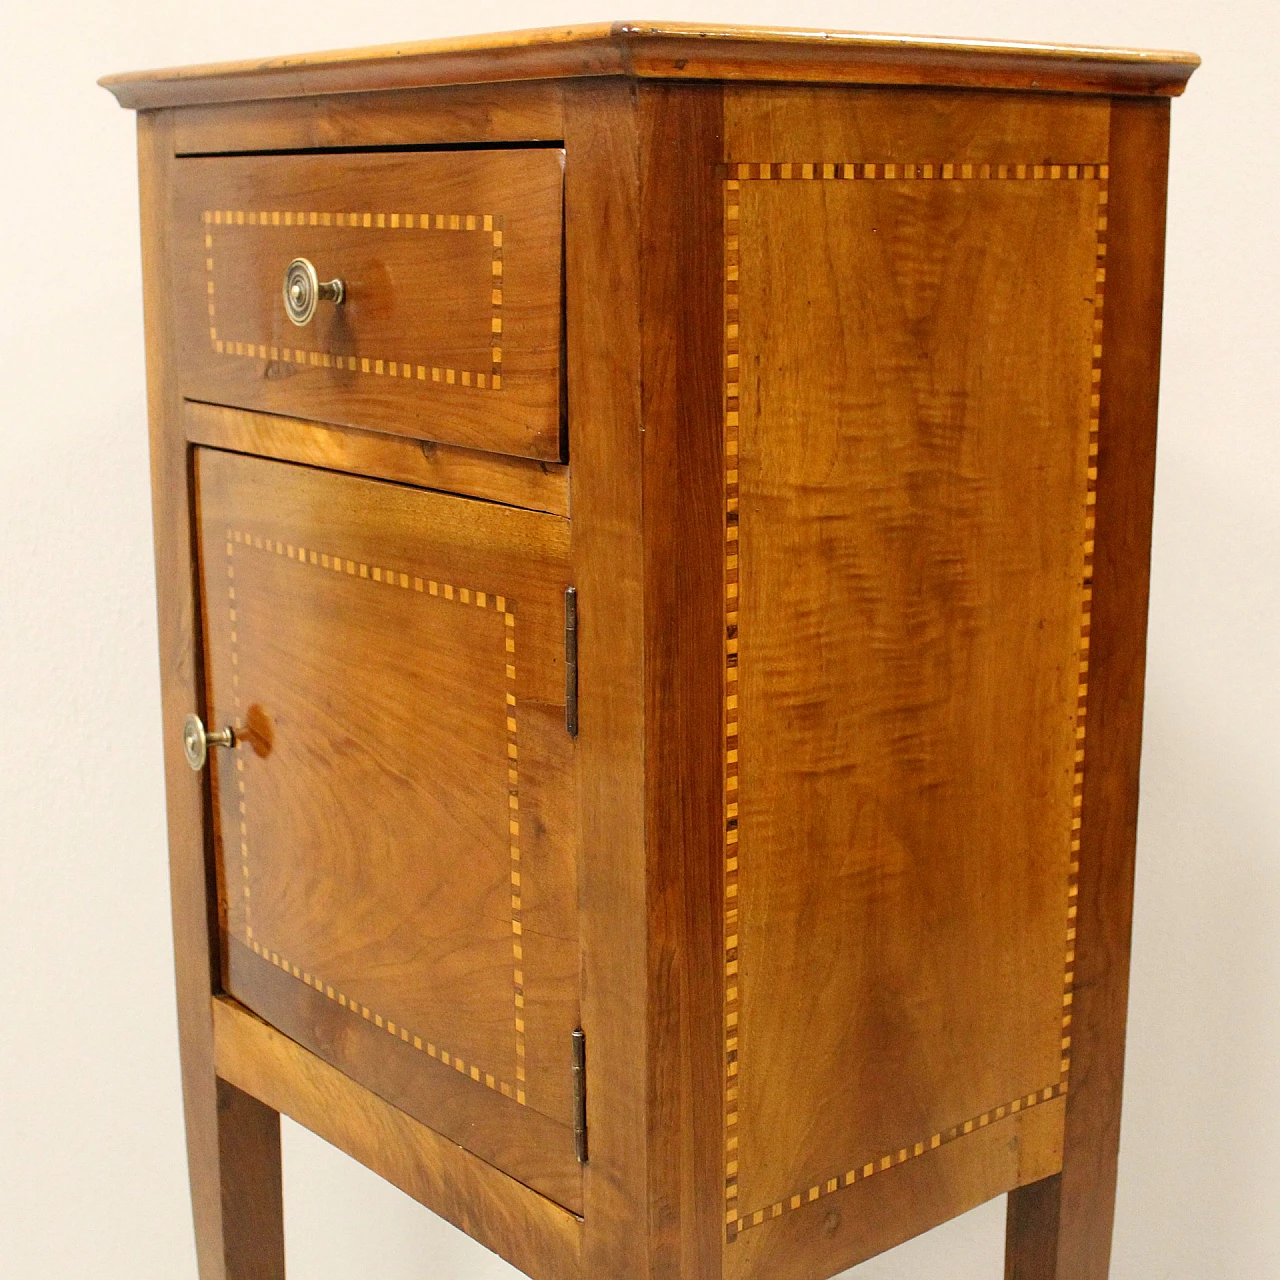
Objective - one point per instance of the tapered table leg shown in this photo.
(1060, 1228)
(233, 1141)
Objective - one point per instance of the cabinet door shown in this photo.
(395, 824)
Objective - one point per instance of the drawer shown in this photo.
(395, 826)
(449, 327)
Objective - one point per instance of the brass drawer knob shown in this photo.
(196, 741)
(303, 290)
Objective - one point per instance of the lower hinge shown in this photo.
(571, 660)
(580, 1094)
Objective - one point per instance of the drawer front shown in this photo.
(395, 826)
(449, 326)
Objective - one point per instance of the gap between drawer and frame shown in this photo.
(382, 148)
(472, 473)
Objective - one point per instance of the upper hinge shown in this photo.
(571, 661)
(580, 1094)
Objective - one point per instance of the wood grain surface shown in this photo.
(669, 51)
(476, 473)
(396, 823)
(450, 329)
(829, 124)
(233, 1142)
(682, 256)
(1078, 1210)
(1031, 1230)
(527, 1229)
(908, 443)
(469, 114)
(602, 311)
(841, 1231)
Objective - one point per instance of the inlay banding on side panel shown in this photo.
(907, 603)
(449, 325)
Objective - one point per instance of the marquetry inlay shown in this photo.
(738, 1219)
(804, 171)
(426, 371)
(430, 590)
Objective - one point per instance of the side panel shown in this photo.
(913, 341)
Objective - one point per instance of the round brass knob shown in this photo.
(303, 290)
(196, 741)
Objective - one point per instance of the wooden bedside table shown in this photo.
(647, 515)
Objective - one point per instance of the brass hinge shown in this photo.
(580, 1094)
(571, 660)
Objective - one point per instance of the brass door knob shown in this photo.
(303, 290)
(196, 741)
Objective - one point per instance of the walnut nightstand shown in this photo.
(652, 532)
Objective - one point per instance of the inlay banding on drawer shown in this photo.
(488, 224)
(449, 327)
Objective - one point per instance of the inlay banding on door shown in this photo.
(447, 593)
(398, 801)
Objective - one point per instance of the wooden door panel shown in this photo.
(395, 824)
(912, 411)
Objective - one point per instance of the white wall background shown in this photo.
(92, 1168)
